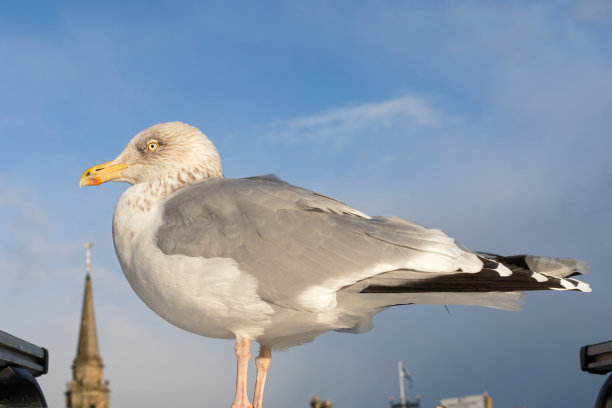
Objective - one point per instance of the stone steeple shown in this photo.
(88, 389)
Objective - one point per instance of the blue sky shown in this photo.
(488, 120)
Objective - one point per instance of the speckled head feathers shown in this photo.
(173, 149)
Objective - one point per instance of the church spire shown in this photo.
(88, 338)
(87, 388)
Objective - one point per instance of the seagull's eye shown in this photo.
(152, 145)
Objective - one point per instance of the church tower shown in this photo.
(88, 389)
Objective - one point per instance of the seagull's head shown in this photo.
(172, 150)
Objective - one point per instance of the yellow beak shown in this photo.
(102, 173)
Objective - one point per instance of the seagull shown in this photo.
(258, 259)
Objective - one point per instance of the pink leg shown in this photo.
(243, 355)
(262, 362)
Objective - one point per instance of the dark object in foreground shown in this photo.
(597, 359)
(20, 362)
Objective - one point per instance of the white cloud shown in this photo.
(339, 125)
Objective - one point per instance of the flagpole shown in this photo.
(400, 367)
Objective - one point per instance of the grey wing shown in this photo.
(301, 246)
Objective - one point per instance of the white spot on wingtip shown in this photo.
(539, 277)
(584, 287)
(574, 285)
(503, 270)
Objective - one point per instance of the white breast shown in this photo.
(211, 297)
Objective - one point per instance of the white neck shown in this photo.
(143, 196)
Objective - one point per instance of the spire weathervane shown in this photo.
(88, 246)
